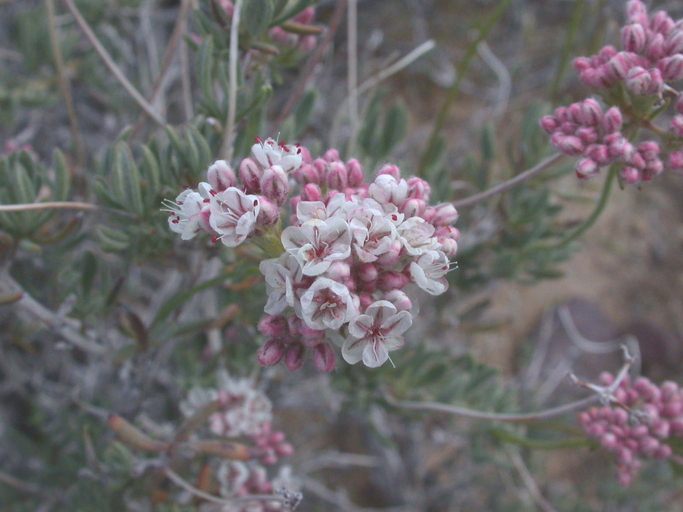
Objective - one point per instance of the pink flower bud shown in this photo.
(294, 325)
(268, 214)
(320, 166)
(311, 192)
(305, 16)
(676, 426)
(306, 174)
(365, 300)
(561, 114)
(250, 175)
(676, 125)
(621, 149)
(221, 176)
(608, 441)
(612, 120)
(624, 455)
(275, 185)
(679, 104)
(591, 112)
(586, 168)
(331, 155)
(637, 161)
(391, 280)
(270, 353)
(399, 299)
(294, 356)
(367, 272)
(607, 52)
(655, 48)
(599, 153)
(649, 446)
(307, 43)
(339, 271)
(309, 333)
(649, 149)
(652, 169)
(619, 65)
(413, 207)
(567, 144)
(663, 452)
(449, 246)
(656, 81)
(676, 160)
(674, 42)
(274, 326)
(337, 176)
(629, 175)
(661, 22)
(445, 215)
(575, 114)
(671, 67)
(587, 134)
(581, 64)
(633, 38)
(355, 173)
(389, 169)
(548, 124)
(568, 128)
(660, 429)
(638, 80)
(323, 357)
(635, 7)
(419, 188)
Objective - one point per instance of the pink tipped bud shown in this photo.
(619, 65)
(587, 134)
(449, 246)
(311, 192)
(337, 176)
(606, 53)
(419, 188)
(676, 426)
(624, 455)
(599, 153)
(549, 124)
(581, 64)
(305, 16)
(608, 441)
(661, 22)
(389, 169)
(591, 112)
(367, 272)
(635, 8)
(355, 173)
(652, 169)
(268, 214)
(656, 81)
(612, 120)
(294, 356)
(306, 174)
(663, 452)
(274, 326)
(320, 166)
(391, 280)
(294, 325)
(413, 207)
(638, 80)
(307, 43)
(275, 185)
(561, 114)
(575, 114)
(671, 67)
(655, 48)
(365, 301)
(674, 42)
(586, 168)
(621, 149)
(331, 155)
(660, 429)
(399, 299)
(250, 175)
(676, 160)
(323, 357)
(567, 144)
(445, 215)
(629, 175)
(649, 149)
(649, 446)
(270, 353)
(221, 176)
(676, 125)
(568, 128)
(339, 271)
(633, 38)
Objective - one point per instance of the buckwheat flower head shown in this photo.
(376, 333)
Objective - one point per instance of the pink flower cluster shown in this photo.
(638, 422)
(652, 54)
(582, 129)
(349, 258)
(239, 479)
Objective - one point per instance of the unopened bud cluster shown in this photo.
(349, 257)
(638, 424)
(633, 81)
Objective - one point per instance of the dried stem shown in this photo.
(300, 87)
(506, 185)
(64, 85)
(352, 71)
(529, 482)
(109, 62)
(62, 205)
(226, 149)
(493, 416)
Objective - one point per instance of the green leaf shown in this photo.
(293, 11)
(151, 172)
(256, 16)
(62, 176)
(88, 269)
(395, 124)
(111, 240)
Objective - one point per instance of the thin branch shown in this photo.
(529, 482)
(494, 416)
(300, 86)
(64, 86)
(507, 185)
(226, 149)
(185, 81)
(18, 484)
(109, 62)
(179, 481)
(57, 205)
(178, 30)
(352, 71)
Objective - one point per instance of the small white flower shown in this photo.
(416, 235)
(189, 214)
(429, 270)
(281, 274)
(244, 409)
(375, 334)
(317, 243)
(373, 235)
(271, 153)
(233, 215)
(386, 189)
(337, 205)
(327, 304)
